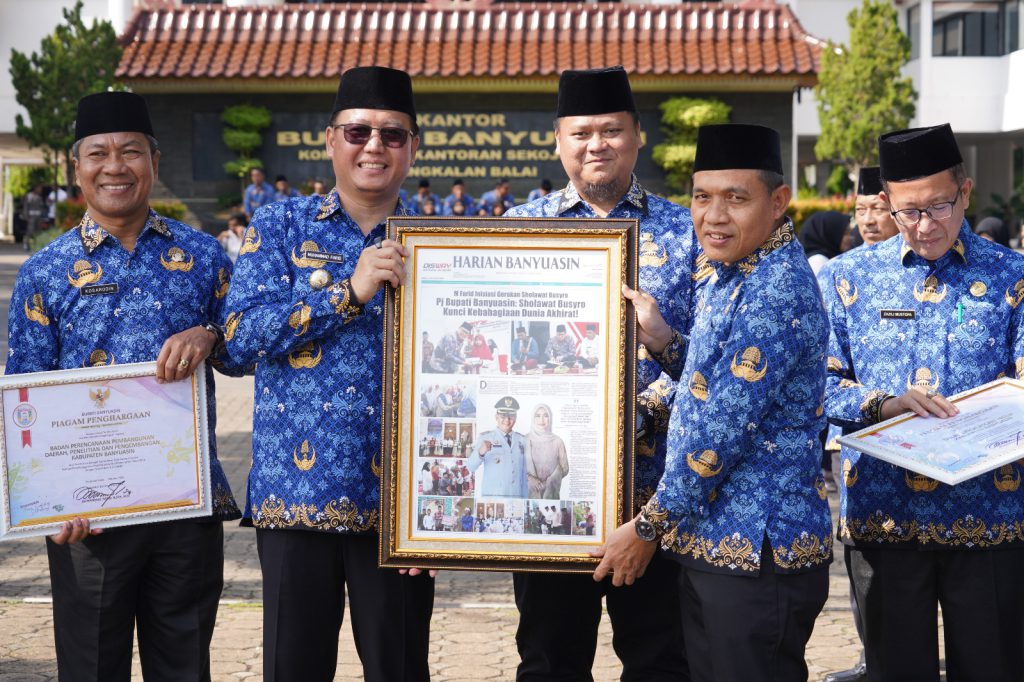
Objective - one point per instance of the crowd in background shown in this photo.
(424, 201)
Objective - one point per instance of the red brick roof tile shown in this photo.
(503, 40)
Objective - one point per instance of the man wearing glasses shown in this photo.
(306, 307)
(930, 313)
(875, 224)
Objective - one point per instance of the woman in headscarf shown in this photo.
(547, 462)
(822, 237)
(994, 230)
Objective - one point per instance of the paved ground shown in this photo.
(471, 608)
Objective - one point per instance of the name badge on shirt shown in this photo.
(99, 289)
(895, 314)
(324, 256)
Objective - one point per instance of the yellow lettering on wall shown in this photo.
(287, 138)
(542, 139)
(435, 138)
(484, 137)
(311, 139)
(515, 138)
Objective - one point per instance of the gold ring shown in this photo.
(932, 394)
(183, 364)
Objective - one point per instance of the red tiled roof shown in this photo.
(510, 40)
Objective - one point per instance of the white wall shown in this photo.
(967, 92)
(1013, 102)
(24, 24)
(974, 94)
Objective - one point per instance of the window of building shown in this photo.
(973, 29)
(1014, 25)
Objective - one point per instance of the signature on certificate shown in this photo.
(1014, 440)
(106, 493)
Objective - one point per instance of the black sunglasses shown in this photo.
(359, 133)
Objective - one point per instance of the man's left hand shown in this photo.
(625, 555)
(183, 352)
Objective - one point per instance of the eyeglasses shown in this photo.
(910, 217)
(360, 133)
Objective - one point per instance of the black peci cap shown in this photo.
(375, 87)
(112, 112)
(738, 146)
(869, 181)
(594, 91)
(917, 152)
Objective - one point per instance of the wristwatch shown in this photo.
(644, 529)
(218, 333)
(214, 329)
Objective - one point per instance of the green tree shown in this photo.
(680, 118)
(73, 61)
(861, 92)
(242, 126)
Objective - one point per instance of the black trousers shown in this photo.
(165, 577)
(304, 578)
(559, 614)
(982, 599)
(748, 629)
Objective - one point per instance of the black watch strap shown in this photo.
(217, 331)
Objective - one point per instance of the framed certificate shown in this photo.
(509, 367)
(110, 444)
(987, 434)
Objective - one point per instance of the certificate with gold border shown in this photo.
(110, 444)
(509, 370)
(987, 434)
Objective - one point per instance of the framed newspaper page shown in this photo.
(988, 433)
(110, 444)
(509, 370)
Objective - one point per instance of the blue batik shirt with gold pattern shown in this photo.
(743, 450)
(672, 268)
(84, 301)
(900, 322)
(319, 354)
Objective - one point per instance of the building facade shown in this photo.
(485, 78)
(967, 63)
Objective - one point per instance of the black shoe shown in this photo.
(857, 673)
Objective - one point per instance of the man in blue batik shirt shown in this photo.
(598, 139)
(460, 197)
(933, 312)
(741, 504)
(307, 307)
(423, 195)
(538, 192)
(283, 190)
(875, 225)
(258, 193)
(128, 286)
(500, 195)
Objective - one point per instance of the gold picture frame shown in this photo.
(527, 315)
